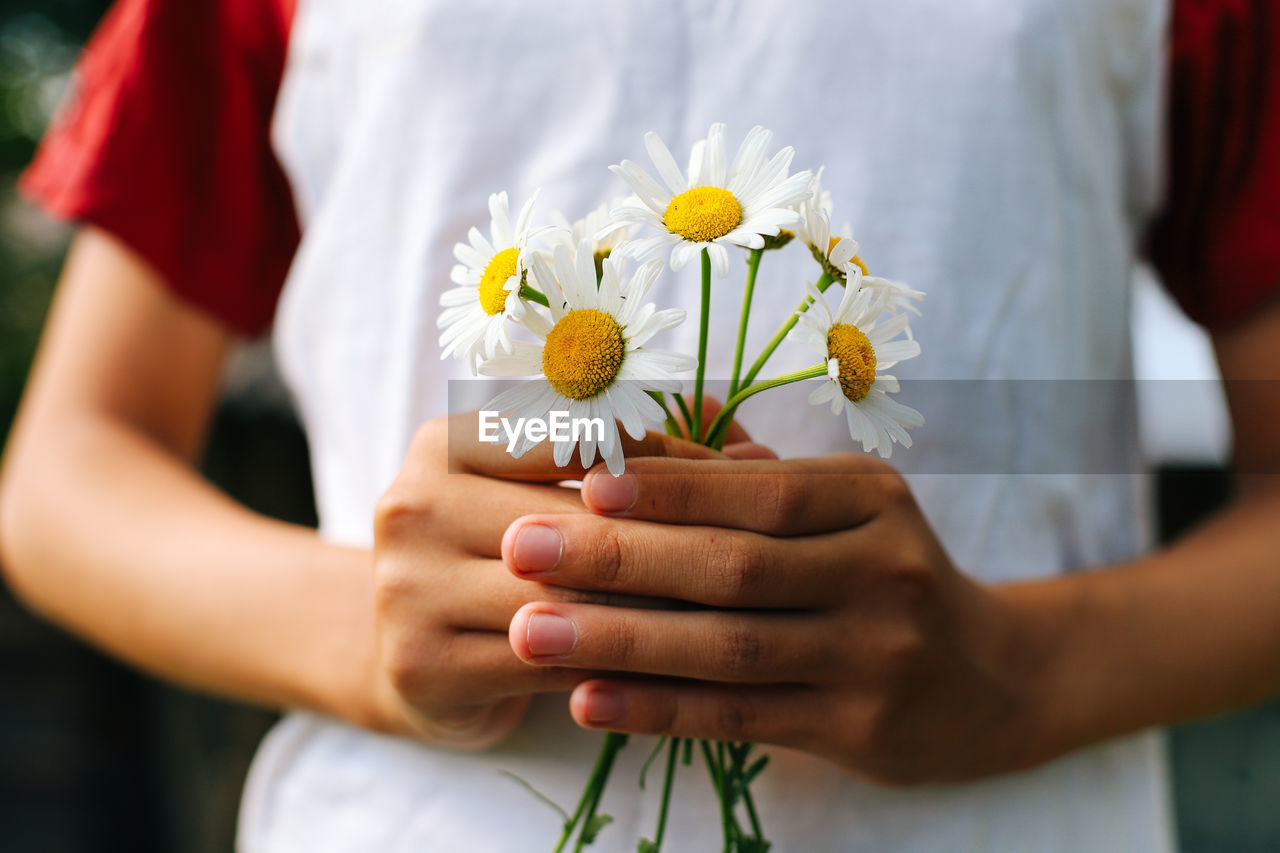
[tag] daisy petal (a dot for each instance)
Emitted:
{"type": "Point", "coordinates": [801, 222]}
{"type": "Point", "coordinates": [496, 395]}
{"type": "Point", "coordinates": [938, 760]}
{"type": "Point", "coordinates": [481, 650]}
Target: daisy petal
{"type": "Point", "coordinates": [664, 163]}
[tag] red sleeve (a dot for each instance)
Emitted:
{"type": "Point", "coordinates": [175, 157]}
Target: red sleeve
{"type": "Point", "coordinates": [1217, 242]}
{"type": "Point", "coordinates": [164, 142]}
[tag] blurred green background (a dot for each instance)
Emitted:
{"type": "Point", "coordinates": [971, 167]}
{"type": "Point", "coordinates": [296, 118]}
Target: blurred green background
{"type": "Point", "coordinates": [94, 757]}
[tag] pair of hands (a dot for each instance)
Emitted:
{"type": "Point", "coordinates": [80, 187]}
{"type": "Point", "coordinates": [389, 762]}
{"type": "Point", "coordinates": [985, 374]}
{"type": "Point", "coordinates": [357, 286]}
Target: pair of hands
{"type": "Point", "coordinates": [804, 603]}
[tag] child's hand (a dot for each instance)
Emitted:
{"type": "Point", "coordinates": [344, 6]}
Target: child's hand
{"type": "Point", "coordinates": [444, 599]}
{"type": "Point", "coordinates": [834, 620]}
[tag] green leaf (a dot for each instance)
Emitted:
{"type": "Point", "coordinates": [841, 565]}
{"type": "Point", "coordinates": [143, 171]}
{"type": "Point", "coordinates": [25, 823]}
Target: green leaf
{"type": "Point", "coordinates": [593, 827]}
{"type": "Point", "coordinates": [645, 768]}
{"type": "Point", "coordinates": [646, 846]}
{"type": "Point", "coordinates": [754, 770]}
{"type": "Point", "coordinates": [541, 796]}
{"type": "Point", "coordinates": [688, 752]}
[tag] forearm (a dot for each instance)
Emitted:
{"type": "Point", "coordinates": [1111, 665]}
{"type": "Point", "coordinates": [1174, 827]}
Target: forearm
{"type": "Point", "coordinates": [1187, 632]}
{"type": "Point", "coordinates": [121, 542]}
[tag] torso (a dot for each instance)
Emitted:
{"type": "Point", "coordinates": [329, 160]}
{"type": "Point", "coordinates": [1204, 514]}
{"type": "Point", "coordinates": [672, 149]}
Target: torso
{"type": "Point", "coordinates": [998, 154]}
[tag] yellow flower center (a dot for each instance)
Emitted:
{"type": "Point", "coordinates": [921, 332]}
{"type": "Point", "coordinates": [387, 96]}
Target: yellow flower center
{"type": "Point", "coordinates": [493, 292]}
{"type": "Point", "coordinates": [600, 255]}
{"type": "Point", "coordinates": [856, 357]}
{"type": "Point", "coordinates": [782, 238]}
{"type": "Point", "coordinates": [583, 353]}
{"type": "Point", "coordinates": [826, 262]}
{"type": "Point", "coordinates": [703, 214]}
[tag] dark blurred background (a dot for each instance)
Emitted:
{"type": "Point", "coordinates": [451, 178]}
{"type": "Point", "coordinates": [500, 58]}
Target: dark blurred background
{"type": "Point", "coordinates": [95, 757]}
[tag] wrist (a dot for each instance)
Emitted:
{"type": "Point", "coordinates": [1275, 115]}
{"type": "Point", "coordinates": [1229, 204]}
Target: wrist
{"type": "Point", "coordinates": [335, 669]}
{"type": "Point", "coordinates": [1043, 619]}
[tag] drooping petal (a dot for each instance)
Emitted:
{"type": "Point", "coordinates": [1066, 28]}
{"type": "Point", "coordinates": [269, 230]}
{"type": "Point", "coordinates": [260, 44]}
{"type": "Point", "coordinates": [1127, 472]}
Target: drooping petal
{"type": "Point", "coordinates": [625, 410]}
{"type": "Point", "coordinates": [750, 157]}
{"type": "Point", "coordinates": [657, 323]}
{"type": "Point", "coordinates": [719, 260]}
{"type": "Point", "coordinates": [500, 225]}
{"type": "Point", "coordinates": [895, 351]}
{"type": "Point", "coordinates": [664, 163]}
{"type": "Point", "coordinates": [648, 191]}
{"type": "Point", "coordinates": [526, 212]}
{"type": "Point", "coordinates": [525, 359]}
{"type": "Point", "coordinates": [715, 169]}
{"type": "Point", "coordinates": [683, 254]}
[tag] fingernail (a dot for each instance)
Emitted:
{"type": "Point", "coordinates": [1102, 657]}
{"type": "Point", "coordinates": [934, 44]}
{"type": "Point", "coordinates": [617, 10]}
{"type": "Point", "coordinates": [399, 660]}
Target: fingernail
{"type": "Point", "coordinates": [613, 494]}
{"type": "Point", "coordinates": [605, 706]}
{"type": "Point", "coordinates": [551, 635]}
{"type": "Point", "coordinates": [537, 548]}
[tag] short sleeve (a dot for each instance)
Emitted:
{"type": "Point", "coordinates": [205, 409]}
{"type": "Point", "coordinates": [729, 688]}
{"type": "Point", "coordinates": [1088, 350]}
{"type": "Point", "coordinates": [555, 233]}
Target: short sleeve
{"type": "Point", "coordinates": [164, 141]}
{"type": "Point", "coordinates": [1217, 241]}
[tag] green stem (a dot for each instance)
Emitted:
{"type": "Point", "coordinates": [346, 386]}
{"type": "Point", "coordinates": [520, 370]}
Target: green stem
{"type": "Point", "coordinates": [751, 813]}
{"type": "Point", "coordinates": [613, 744]}
{"type": "Point", "coordinates": [673, 428]}
{"type": "Point", "coordinates": [716, 769]}
{"type": "Point", "coordinates": [620, 741]}
{"type": "Point", "coordinates": [672, 752]}
{"type": "Point", "coordinates": [753, 266]}
{"type": "Point", "coordinates": [685, 413]}
{"type": "Point", "coordinates": [725, 416]}
{"type": "Point", "coordinates": [823, 283]}
{"type": "Point", "coordinates": [527, 292]}
{"type": "Point", "coordinates": [703, 327]}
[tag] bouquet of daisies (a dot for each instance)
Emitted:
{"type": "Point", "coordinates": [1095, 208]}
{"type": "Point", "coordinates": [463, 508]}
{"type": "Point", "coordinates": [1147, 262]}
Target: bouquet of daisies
{"type": "Point", "coordinates": [575, 320]}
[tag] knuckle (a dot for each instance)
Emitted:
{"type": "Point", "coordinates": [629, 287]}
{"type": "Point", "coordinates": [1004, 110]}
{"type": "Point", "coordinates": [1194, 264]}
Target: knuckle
{"type": "Point", "coordinates": [915, 584]}
{"type": "Point", "coordinates": [736, 716]}
{"type": "Point", "coordinates": [903, 652]}
{"type": "Point", "coordinates": [395, 514]}
{"type": "Point", "coordinates": [664, 715]}
{"type": "Point", "coordinates": [621, 643]}
{"type": "Point", "coordinates": [893, 486]}
{"type": "Point", "coordinates": [870, 729]}
{"type": "Point", "coordinates": [391, 586]}
{"type": "Point", "coordinates": [677, 494]}
{"type": "Point", "coordinates": [430, 438]}
{"type": "Point", "coordinates": [781, 504]}
{"type": "Point", "coordinates": [405, 669]}
{"type": "Point", "coordinates": [609, 554]}
{"type": "Point", "coordinates": [737, 651]}
{"type": "Point", "coordinates": [740, 568]}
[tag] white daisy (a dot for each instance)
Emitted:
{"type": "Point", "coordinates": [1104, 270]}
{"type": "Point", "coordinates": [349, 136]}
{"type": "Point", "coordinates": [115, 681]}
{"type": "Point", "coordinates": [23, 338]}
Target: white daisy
{"type": "Point", "coordinates": [591, 357]}
{"type": "Point", "coordinates": [899, 297]}
{"type": "Point", "coordinates": [714, 205]}
{"type": "Point", "coordinates": [819, 200]}
{"type": "Point", "coordinates": [596, 229]}
{"type": "Point", "coordinates": [488, 280]}
{"type": "Point", "coordinates": [857, 342]}
{"type": "Point", "coordinates": [838, 253]}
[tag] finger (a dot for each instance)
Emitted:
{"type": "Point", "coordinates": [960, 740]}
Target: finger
{"type": "Point", "coordinates": [484, 596]}
{"type": "Point", "coordinates": [748, 450]}
{"type": "Point", "coordinates": [486, 669]}
{"type": "Point", "coordinates": [707, 565]}
{"type": "Point", "coordinates": [784, 715]}
{"type": "Point", "coordinates": [475, 515]}
{"type": "Point", "coordinates": [468, 454]}
{"type": "Point", "coordinates": [781, 498]}
{"type": "Point", "coordinates": [708, 645]}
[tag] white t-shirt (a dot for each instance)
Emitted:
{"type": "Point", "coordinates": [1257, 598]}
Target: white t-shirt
{"type": "Point", "coordinates": [999, 154]}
